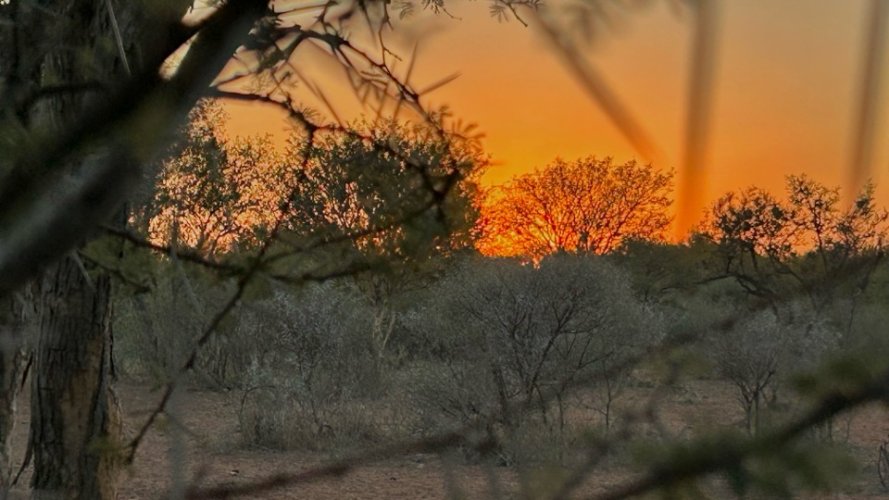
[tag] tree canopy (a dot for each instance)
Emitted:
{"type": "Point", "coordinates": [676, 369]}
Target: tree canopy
{"type": "Point", "coordinates": [587, 205]}
{"type": "Point", "coordinates": [807, 241]}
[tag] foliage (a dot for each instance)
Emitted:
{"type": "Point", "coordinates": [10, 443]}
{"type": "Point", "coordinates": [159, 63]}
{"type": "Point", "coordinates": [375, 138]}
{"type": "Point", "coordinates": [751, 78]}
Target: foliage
{"type": "Point", "coordinates": [660, 271]}
{"type": "Point", "coordinates": [374, 190]}
{"type": "Point", "coordinates": [588, 205]}
{"type": "Point", "coordinates": [504, 342]}
{"type": "Point", "coordinates": [216, 193]}
{"type": "Point", "coordinates": [509, 338]}
{"type": "Point", "coordinates": [762, 351]}
{"type": "Point", "coordinates": [307, 371]}
{"type": "Point", "coordinates": [806, 244]}
{"type": "Point", "coordinates": [156, 330]}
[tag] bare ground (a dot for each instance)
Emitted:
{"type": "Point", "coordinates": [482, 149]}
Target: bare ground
{"type": "Point", "coordinates": [204, 446]}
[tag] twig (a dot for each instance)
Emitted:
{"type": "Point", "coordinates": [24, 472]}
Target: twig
{"type": "Point", "coordinates": [697, 115]}
{"type": "Point", "coordinates": [208, 332]}
{"type": "Point", "coordinates": [864, 129]}
{"type": "Point", "coordinates": [118, 38]}
{"type": "Point", "coordinates": [187, 256]}
{"type": "Point", "coordinates": [336, 469]}
{"type": "Point", "coordinates": [600, 91]}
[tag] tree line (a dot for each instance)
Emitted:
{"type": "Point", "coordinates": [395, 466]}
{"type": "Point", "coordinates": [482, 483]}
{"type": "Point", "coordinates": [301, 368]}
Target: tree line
{"type": "Point", "coordinates": [493, 339]}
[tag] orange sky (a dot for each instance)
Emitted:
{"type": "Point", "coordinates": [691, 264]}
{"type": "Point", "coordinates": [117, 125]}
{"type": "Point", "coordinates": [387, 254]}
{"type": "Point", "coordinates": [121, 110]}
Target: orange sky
{"type": "Point", "coordinates": [785, 88]}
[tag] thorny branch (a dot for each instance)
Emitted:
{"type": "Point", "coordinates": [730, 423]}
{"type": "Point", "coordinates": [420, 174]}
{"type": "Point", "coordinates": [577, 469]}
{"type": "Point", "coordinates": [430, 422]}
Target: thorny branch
{"type": "Point", "coordinates": [202, 340]}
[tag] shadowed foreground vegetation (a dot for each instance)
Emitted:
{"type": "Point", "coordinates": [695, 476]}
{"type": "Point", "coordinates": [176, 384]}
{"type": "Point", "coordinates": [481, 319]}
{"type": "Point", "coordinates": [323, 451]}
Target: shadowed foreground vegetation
{"type": "Point", "coordinates": [580, 355]}
{"type": "Point", "coordinates": [573, 369]}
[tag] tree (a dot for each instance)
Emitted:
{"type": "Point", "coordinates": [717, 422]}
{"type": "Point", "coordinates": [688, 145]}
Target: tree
{"type": "Point", "coordinates": [362, 186]}
{"type": "Point", "coordinates": [588, 205]}
{"type": "Point", "coordinates": [306, 365]}
{"type": "Point", "coordinates": [660, 269]}
{"type": "Point", "coordinates": [751, 229]}
{"type": "Point", "coordinates": [86, 108]}
{"type": "Point", "coordinates": [217, 192]}
{"type": "Point", "coordinates": [53, 60]}
{"type": "Point", "coordinates": [364, 183]}
{"type": "Point", "coordinates": [806, 244]}
{"type": "Point", "coordinates": [514, 336]}
{"type": "Point", "coordinates": [17, 317]}
{"type": "Point", "coordinates": [805, 247]}
{"type": "Point", "coordinates": [70, 159]}
{"type": "Point", "coordinates": [763, 349]}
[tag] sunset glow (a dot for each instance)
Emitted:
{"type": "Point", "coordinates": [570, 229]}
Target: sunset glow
{"type": "Point", "coordinates": [785, 90]}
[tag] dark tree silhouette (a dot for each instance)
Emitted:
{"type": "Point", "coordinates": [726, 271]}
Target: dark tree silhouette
{"type": "Point", "coordinates": [807, 242]}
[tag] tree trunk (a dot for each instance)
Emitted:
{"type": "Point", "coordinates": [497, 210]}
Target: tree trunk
{"type": "Point", "coordinates": [75, 428]}
{"type": "Point", "coordinates": [13, 319]}
{"type": "Point", "coordinates": [74, 422]}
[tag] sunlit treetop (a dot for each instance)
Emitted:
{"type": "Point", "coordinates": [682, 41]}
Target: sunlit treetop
{"type": "Point", "coordinates": [375, 186]}
{"type": "Point", "coordinates": [587, 205]}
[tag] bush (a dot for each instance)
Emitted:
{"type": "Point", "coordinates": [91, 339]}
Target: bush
{"type": "Point", "coordinates": [507, 337]}
{"type": "Point", "coordinates": [155, 332]}
{"type": "Point", "coordinates": [763, 350]}
{"type": "Point", "coordinates": [310, 368]}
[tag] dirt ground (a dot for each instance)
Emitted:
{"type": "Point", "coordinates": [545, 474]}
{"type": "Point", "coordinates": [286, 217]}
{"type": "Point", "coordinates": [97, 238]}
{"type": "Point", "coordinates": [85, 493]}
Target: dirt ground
{"type": "Point", "coordinates": [203, 446]}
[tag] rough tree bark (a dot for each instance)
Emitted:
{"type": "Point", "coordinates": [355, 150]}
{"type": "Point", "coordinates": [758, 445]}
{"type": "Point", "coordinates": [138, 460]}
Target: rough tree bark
{"type": "Point", "coordinates": [17, 74]}
{"type": "Point", "coordinates": [75, 426]}
{"type": "Point", "coordinates": [14, 315]}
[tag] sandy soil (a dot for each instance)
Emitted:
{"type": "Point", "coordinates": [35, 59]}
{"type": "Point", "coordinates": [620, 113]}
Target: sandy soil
{"type": "Point", "coordinates": [203, 446]}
